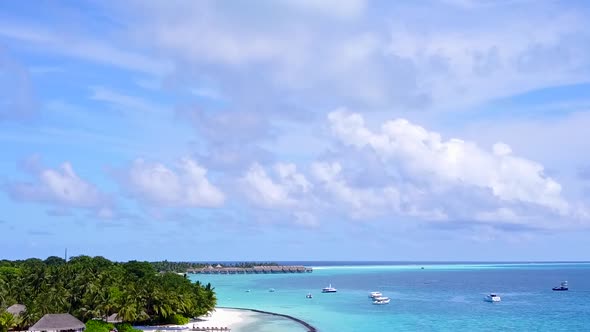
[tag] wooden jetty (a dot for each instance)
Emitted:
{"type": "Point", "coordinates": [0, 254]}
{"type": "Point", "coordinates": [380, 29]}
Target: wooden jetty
{"type": "Point", "coordinates": [251, 270]}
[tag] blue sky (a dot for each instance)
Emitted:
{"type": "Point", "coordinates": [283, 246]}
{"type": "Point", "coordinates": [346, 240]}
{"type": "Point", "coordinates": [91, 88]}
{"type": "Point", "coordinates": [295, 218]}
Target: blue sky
{"type": "Point", "coordinates": [295, 130]}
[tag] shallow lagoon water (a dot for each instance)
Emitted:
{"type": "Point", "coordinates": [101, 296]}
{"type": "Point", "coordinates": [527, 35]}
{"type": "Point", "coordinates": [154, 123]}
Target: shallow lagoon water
{"type": "Point", "coordinates": [440, 297]}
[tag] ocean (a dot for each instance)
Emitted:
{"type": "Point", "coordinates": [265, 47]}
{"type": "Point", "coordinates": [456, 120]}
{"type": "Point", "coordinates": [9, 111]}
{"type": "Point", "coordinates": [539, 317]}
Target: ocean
{"type": "Point", "coordinates": [439, 297]}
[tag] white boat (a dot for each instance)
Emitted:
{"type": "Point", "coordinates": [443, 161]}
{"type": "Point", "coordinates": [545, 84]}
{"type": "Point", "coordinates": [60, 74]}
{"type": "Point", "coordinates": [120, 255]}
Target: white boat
{"type": "Point", "coordinates": [562, 287]}
{"type": "Point", "coordinates": [329, 289]}
{"type": "Point", "coordinates": [308, 296]}
{"type": "Point", "coordinates": [271, 290]}
{"type": "Point", "coordinates": [493, 298]}
{"type": "Point", "coordinates": [381, 300]}
{"type": "Point", "coordinates": [375, 294]}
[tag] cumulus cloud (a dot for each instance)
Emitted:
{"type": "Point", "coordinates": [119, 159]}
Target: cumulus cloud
{"type": "Point", "coordinates": [283, 188]}
{"type": "Point", "coordinates": [280, 193]}
{"type": "Point", "coordinates": [62, 188]}
{"type": "Point", "coordinates": [421, 154]}
{"type": "Point", "coordinates": [183, 185]}
{"type": "Point", "coordinates": [410, 173]}
{"type": "Point", "coordinates": [360, 202]}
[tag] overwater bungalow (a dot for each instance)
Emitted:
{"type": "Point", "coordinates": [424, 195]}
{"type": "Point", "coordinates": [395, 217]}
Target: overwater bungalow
{"type": "Point", "coordinates": [256, 269]}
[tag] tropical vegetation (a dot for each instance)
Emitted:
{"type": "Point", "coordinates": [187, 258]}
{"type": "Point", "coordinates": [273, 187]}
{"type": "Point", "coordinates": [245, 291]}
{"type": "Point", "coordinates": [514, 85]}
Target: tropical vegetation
{"type": "Point", "coordinates": [94, 287]}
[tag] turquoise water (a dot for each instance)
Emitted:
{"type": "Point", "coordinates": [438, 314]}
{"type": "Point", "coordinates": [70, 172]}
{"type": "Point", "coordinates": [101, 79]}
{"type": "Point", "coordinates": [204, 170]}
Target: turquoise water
{"type": "Point", "coordinates": [440, 297]}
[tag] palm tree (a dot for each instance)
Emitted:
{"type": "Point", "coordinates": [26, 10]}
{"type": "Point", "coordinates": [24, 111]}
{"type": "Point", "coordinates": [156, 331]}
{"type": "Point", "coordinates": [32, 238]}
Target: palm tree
{"type": "Point", "coordinates": [3, 292]}
{"type": "Point", "coordinates": [7, 321]}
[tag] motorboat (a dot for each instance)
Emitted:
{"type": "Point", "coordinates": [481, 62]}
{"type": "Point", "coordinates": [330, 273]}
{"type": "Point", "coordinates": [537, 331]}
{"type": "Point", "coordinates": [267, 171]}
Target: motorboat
{"type": "Point", "coordinates": [272, 290]}
{"type": "Point", "coordinates": [329, 289]}
{"type": "Point", "coordinates": [308, 296]}
{"type": "Point", "coordinates": [493, 297]}
{"type": "Point", "coordinates": [562, 287]}
{"type": "Point", "coordinates": [381, 300]}
{"type": "Point", "coordinates": [247, 291]}
{"type": "Point", "coordinates": [375, 294]}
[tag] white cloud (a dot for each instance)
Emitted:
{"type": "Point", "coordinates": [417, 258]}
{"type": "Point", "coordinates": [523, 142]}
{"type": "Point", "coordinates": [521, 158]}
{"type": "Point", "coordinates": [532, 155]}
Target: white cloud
{"type": "Point", "coordinates": [61, 187]}
{"type": "Point", "coordinates": [404, 61]}
{"type": "Point", "coordinates": [122, 101]}
{"type": "Point", "coordinates": [70, 44]}
{"type": "Point", "coordinates": [422, 155]}
{"type": "Point", "coordinates": [360, 202]}
{"type": "Point", "coordinates": [184, 185]}
{"type": "Point", "coordinates": [410, 173]}
{"type": "Point", "coordinates": [284, 189]}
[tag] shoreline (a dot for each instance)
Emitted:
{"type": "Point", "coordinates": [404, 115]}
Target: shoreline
{"type": "Point", "coordinates": [309, 327]}
{"type": "Point", "coordinates": [226, 317]}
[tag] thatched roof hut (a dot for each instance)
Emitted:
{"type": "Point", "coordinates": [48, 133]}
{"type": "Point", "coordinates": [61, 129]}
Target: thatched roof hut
{"type": "Point", "coordinates": [16, 309]}
{"type": "Point", "coordinates": [58, 323]}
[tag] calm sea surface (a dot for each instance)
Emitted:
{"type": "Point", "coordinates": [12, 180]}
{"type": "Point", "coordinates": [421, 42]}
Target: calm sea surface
{"type": "Point", "coordinates": [440, 297]}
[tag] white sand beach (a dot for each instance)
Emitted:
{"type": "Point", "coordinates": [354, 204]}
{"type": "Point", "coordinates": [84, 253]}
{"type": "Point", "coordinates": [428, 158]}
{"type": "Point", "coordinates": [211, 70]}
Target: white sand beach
{"type": "Point", "coordinates": [220, 318]}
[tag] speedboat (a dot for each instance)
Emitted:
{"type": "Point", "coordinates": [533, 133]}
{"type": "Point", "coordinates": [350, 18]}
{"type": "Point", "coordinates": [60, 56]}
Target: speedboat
{"type": "Point", "coordinates": [308, 296]}
{"type": "Point", "coordinates": [247, 291]}
{"type": "Point", "coordinates": [373, 295]}
{"type": "Point", "coordinates": [329, 289]}
{"type": "Point", "coordinates": [381, 300]}
{"type": "Point", "coordinates": [493, 298]}
{"type": "Point", "coordinates": [271, 290]}
{"type": "Point", "coordinates": [562, 287]}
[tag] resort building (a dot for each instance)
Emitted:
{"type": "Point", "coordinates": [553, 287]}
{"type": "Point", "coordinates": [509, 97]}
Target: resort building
{"type": "Point", "coordinates": [16, 309]}
{"type": "Point", "coordinates": [58, 323]}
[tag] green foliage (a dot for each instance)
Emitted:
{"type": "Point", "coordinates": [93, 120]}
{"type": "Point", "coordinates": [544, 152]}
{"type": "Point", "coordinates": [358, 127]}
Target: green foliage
{"type": "Point", "coordinates": [94, 325]}
{"type": "Point", "coordinates": [125, 327]}
{"type": "Point", "coordinates": [140, 269]}
{"type": "Point", "coordinates": [54, 260]}
{"type": "Point", "coordinates": [94, 287]}
{"type": "Point", "coordinates": [178, 320]}
{"type": "Point", "coordinates": [7, 321]}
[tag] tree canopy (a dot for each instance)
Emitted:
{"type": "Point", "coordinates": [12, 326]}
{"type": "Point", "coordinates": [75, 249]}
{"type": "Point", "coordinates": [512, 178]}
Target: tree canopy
{"type": "Point", "coordinates": [94, 287]}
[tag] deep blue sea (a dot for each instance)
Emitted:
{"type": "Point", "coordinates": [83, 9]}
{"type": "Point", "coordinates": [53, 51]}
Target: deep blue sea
{"type": "Point", "coordinates": [440, 297]}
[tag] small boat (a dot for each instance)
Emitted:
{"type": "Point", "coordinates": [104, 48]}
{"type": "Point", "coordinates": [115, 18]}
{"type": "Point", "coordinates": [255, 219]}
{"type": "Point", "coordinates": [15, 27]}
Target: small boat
{"type": "Point", "coordinates": [308, 296]}
{"type": "Point", "coordinates": [247, 291]}
{"type": "Point", "coordinates": [329, 289]}
{"type": "Point", "coordinates": [272, 290]}
{"type": "Point", "coordinates": [493, 298]}
{"type": "Point", "coordinates": [373, 295]}
{"type": "Point", "coordinates": [562, 287]}
{"type": "Point", "coordinates": [381, 300]}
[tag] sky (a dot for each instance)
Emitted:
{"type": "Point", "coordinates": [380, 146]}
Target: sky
{"type": "Point", "coordinates": [451, 130]}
